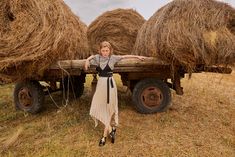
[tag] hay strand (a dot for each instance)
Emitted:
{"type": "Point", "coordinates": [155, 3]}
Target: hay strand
{"type": "Point", "coordinates": [12, 140]}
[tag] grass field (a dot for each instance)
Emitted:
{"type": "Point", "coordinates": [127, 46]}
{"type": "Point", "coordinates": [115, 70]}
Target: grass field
{"type": "Point", "coordinates": [199, 123]}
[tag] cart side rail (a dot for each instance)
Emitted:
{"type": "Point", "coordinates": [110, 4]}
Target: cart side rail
{"type": "Point", "coordinates": [125, 65]}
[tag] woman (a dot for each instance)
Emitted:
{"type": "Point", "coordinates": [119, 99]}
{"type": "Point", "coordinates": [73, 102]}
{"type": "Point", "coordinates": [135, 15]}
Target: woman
{"type": "Point", "coordinates": [104, 106]}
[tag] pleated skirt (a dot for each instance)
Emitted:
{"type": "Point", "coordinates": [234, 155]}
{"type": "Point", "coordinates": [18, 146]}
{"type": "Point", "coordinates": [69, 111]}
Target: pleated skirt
{"type": "Point", "coordinates": [106, 113]}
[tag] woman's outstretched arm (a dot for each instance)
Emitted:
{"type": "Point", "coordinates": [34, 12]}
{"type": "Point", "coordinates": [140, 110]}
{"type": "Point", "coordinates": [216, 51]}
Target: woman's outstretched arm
{"type": "Point", "coordinates": [133, 56]}
{"type": "Point", "coordinates": [87, 63]}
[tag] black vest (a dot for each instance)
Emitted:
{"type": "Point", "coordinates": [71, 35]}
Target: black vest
{"type": "Point", "coordinates": [106, 72]}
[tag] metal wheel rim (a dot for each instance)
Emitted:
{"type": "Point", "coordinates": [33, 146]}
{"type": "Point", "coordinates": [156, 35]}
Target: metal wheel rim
{"type": "Point", "coordinates": [151, 97]}
{"type": "Point", "coordinates": [25, 98]}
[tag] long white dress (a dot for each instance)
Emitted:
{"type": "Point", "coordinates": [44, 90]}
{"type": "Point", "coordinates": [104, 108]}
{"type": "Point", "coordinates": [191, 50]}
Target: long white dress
{"type": "Point", "coordinates": [100, 110]}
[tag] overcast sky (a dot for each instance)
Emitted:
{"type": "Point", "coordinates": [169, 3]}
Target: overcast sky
{"type": "Point", "coordinates": [88, 10]}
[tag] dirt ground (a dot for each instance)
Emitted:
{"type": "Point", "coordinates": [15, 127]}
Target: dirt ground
{"type": "Point", "coordinates": [199, 123]}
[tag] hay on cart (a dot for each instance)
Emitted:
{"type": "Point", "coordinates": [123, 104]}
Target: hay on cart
{"type": "Point", "coordinates": [119, 27]}
{"type": "Point", "coordinates": [190, 32]}
{"type": "Point", "coordinates": [36, 33]}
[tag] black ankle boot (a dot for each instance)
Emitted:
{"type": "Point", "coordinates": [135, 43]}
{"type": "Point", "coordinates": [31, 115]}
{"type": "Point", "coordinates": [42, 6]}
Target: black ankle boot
{"type": "Point", "coordinates": [112, 135]}
{"type": "Point", "coordinates": [102, 141]}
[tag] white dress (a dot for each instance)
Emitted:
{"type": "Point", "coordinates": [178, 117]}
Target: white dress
{"type": "Point", "coordinates": [101, 110]}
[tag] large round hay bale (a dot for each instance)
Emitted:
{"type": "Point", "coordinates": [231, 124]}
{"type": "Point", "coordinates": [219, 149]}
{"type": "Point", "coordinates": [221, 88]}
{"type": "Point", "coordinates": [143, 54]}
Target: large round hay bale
{"type": "Point", "coordinates": [36, 33]}
{"type": "Point", "coordinates": [119, 27]}
{"type": "Point", "coordinates": [189, 32]}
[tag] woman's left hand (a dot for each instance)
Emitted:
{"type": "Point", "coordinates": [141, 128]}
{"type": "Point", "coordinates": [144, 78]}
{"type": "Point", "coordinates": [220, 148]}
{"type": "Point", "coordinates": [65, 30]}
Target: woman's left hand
{"type": "Point", "coordinates": [87, 64]}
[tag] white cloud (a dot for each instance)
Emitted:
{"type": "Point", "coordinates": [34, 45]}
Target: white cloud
{"type": "Point", "coordinates": [88, 10]}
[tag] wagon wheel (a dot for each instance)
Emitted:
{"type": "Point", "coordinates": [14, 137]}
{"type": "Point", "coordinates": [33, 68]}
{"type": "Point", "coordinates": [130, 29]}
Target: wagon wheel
{"type": "Point", "coordinates": [151, 95]}
{"type": "Point", "coordinates": [29, 96]}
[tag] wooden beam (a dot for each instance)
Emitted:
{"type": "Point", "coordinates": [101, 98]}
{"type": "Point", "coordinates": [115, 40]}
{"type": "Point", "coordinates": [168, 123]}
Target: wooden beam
{"type": "Point", "coordinates": [214, 69]}
{"type": "Point", "coordinates": [177, 84]}
{"type": "Point", "coordinates": [79, 64]}
{"type": "Point", "coordinates": [150, 64]}
{"type": "Point", "coordinates": [143, 75]}
{"type": "Point", "coordinates": [222, 70]}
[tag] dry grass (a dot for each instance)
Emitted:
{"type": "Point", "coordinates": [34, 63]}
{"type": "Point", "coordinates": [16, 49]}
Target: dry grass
{"type": "Point", "coordinates": [200, 123]}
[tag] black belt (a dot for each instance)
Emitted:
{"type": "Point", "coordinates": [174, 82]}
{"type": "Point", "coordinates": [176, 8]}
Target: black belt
{"type": "Point", "coordinates": [110, 74]}
{"type": "Point", "coordinates": [108, 92]}
{"type": "Point", "coordinates": [109, 80]}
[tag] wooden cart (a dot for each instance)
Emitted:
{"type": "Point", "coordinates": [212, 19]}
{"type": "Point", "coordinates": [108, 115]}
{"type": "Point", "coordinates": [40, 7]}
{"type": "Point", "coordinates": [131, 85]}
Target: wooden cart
{"type": "Point", "coordinates": [149, 80]}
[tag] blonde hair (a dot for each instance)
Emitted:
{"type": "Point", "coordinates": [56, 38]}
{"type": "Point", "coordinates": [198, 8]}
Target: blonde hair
{"type": "Point", "coordinates": [106, 44]}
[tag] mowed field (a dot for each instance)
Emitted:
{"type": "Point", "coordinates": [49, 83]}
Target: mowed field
{"type": "Point", "coordinates": [199, 123]}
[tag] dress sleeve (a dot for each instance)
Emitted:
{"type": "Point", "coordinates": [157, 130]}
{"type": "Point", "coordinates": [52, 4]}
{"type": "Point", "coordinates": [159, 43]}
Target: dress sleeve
{"type": "Point", "coordinates": [95, 60]}
{"type": "Point", "coordinates": [116, 58]}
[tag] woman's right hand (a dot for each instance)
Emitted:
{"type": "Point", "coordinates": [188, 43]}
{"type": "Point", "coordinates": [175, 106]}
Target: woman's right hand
{"type": "Point", "coordinates": [87, 64]}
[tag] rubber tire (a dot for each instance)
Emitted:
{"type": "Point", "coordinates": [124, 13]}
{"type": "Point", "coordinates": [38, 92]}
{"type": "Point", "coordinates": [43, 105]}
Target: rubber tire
{"type": "Point", "coordinates": [37, 93]}
{"type": "Point", "coordinates": [141, 85]}
{"type": "Point", "coordinates": [76, 85]}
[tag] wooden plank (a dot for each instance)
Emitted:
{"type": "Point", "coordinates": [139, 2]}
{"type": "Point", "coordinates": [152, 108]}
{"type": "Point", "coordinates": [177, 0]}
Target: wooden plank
{"type": "Point", "coordinates": [79, 64]}
{"type": "Point", "coordinates": [177, 83]}
{"type": "Point", "coordinates": [213, 69]}
{"type": "Point", "coordinates": [150, 64]}
{"type": "Point", "coordinates": [56, 74]}
{"type": "Point", "coordinates": [222, 70]}
{"type": "Point", "coordinates": [143, 75]}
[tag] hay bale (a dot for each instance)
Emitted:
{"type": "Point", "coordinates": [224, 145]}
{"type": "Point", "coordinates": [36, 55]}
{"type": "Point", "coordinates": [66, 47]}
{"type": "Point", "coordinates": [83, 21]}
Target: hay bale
{"type": "Point", "coordinates": [36, 33]}
{"type": "Point", "coordinates": [119, 27]}
{"type": "Point", "coordinates": [189, 32]}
